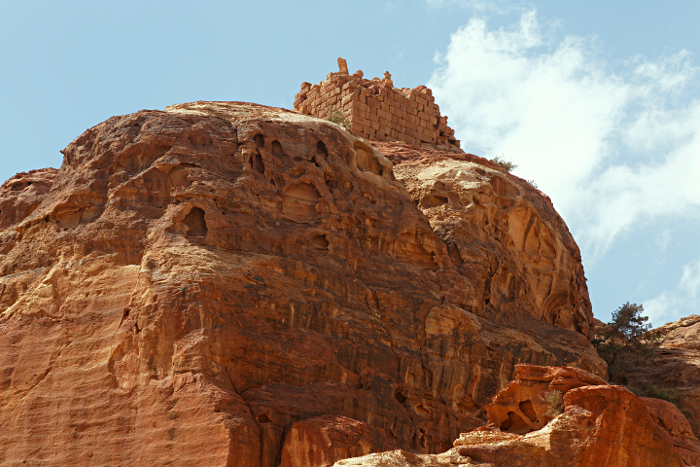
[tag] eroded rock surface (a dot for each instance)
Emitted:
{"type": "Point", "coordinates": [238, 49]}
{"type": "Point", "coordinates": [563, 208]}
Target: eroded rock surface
{"type": "Point", "coordinates": [226, 274]}
{"type": "Point", "coordinates": [600, 425]}
{"type": "Point", "coordinates": [523, 405]}
{"type": "Point", "coordinates": [19, 197]}
{"type": "Point", "coordinates": [501, 232]}
{"type": "Point", "coordinates": [673, 368]}
{"type": "Point", "coordinates": [323, 440]}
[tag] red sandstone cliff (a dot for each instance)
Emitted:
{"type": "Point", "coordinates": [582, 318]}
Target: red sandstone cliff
{"type": "Point", "coordinates": [226, 284]}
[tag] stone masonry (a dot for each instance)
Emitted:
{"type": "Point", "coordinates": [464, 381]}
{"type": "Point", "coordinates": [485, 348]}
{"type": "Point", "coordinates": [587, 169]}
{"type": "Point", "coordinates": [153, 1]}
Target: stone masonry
{"type": "Point", "coordinates": [376, 110]}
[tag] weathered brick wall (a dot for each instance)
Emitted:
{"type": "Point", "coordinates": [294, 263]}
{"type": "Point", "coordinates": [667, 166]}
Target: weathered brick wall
{"type": "Point", "coordinates": [376, 110]}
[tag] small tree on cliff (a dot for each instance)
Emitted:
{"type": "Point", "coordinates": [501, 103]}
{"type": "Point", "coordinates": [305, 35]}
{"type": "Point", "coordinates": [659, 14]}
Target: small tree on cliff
{"type": "Point", "coordinates": [627, 346]}
{"type": "Point", "coordinates": [623, 340]}
{"type": "Point", "coordinates": [503, 162]}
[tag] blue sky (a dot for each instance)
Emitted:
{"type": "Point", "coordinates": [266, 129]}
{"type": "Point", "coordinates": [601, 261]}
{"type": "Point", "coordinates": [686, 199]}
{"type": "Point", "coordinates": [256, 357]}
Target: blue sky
{"type": "Point", "coordinates": [597, 102]}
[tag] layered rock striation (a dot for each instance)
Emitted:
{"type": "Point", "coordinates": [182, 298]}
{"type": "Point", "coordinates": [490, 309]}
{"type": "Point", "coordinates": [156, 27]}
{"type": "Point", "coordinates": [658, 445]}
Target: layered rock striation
{"type": "Point", "coordinates": [230, 284]}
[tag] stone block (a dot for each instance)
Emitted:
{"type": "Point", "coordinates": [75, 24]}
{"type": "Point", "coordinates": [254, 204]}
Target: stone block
{"type": "Point", "coordinates": [356, 126]}
{"type": "Point", "coordinates": [343, 65]}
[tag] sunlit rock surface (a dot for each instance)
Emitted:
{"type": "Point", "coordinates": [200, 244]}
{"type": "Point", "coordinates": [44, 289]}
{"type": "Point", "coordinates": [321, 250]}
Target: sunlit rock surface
{"type": "Point", "coordinates": [203, 285]}
{"type": "Point", "coordinates": [597, 425]}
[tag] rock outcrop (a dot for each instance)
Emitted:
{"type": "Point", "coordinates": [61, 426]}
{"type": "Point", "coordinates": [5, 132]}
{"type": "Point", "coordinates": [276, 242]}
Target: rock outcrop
{"type": "Point", "coordinates": [221, 284]}
{"type": "Point", "coordinates": [674, 367]}
{"type": "Point", "coordinates": [599, 425]}
{"type": "Point", "coordinates": [499, 231]}
{"type": "Point", "coordinates": [20, 196]}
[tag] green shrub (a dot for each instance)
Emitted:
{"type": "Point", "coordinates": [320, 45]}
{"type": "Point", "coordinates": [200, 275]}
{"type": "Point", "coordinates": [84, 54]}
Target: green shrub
{"type": "Point", "coordinates": [555, 399]}
{"type": "Point", "coordinates": [336, 116]}
{"type": "Point", "coordinates": [623, 343]}
{"type": "Point", "coordinates": [506, 164]}
{"type": "Point", "coordinates": [651, 390]}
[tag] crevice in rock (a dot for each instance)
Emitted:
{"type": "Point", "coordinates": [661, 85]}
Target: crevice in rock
{"type": "Point", "coordinates": [433, 201]}
{"type": "Point", "coordinates": [320, 242]}
{"type": "Point", "coordinates": [257, 163]}
{"type": "Point", "coordinates": [456, 257]}
{"type": "Point", "coordinates": [321, 149]}
{"type": "Point", "coordinates": [196, 223]}
{"type": "Point", "coordinates": [259, 140]}
{"type": "Point", "coordinates": [277, 150]}
{"type": "Point", "coordinates": [528, 410]}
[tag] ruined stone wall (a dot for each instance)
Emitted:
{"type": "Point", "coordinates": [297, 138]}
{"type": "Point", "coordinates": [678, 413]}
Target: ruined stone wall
{"type": "Point", "coordinates": [376, 110]}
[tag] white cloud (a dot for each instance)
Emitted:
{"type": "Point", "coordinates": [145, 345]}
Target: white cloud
{"type": "Point", "coordinates": [682, 301]}
{"type": "Point", "coordinates": [661, 309]}
{"type": "Point", "coordinates": [663, 240]}
{"type": "Point", "coordinates": [690, 280]}
{"type": "Point", "coordinates": [616, 146]}
{"type": "Point", "coordinates": [493, 6]}
{"type": "Point", "coordinates": [611, 149]}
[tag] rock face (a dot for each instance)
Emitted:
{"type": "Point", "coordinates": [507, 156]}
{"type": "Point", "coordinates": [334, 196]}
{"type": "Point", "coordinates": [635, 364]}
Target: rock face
{"type": "Point", "coordinates": [523, 406]}
{"type": "Point", "coordinates": [674, 367]}
{"type": "Point", "coordinates": [19, 197]}
{"type": "Point", "coordinates": [499, 231]}
{"type": "Point", "coordinates": [600, 425]}
{"type": "Point", "coordinates": [322, 441]}
{"type": "Point", "coordinates": [224, 284]}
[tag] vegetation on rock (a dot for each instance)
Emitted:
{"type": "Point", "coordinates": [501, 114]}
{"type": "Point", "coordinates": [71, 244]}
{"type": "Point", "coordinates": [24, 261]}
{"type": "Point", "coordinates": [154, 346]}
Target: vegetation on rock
{"type": "Point", "coordinates": [336, 116]}
{"type": "Point", "coordinates": [622, 343]}
{"type": "Point", "coordinates": [651, 390]}
{"type": "Point", "coordinates": [555, 399]}
{"type": "Point", "coordinates": [503, 162]}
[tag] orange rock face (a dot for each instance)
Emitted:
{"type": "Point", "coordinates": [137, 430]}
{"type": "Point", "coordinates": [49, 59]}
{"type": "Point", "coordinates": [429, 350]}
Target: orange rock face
{"type": "Point", "coordinates": [319, 442]}
{"type": "Point", "coordinates": [205, 285]}
{"type": "Point", "coordinates": [673, 422]}
{"type": "Point", "coordinates": [523, 406]}
{"type": "Point", "coordinates": [599, 425]}
{"type": "Point", "coordinates": [501, 232]}
{"type": "Point", "coordinates": [673, 368]}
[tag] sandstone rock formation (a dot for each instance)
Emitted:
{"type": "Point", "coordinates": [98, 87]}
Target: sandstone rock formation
{"type": "Point", "coordinates": [601, 425]}
{"type": "Point", "coordinates": [500, 231]}
{"type": "Point", "coordinates": [207, 285]}
{"type": "Point", "coordinates": [21, 194]}
{"type": "Point", "coordinates": [674, 367]}
{"type": "Point", "coordinates": [322, 441]}
{"type": "Point", "coordinates": [522, 406]}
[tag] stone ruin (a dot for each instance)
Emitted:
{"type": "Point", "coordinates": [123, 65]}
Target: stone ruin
{"type": "Point", "coordinates": [376, 110]}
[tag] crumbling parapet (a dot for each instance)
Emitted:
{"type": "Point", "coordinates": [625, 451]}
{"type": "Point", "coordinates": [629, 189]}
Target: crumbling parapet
{"type": "Point", "coordinates": [376, 110]}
